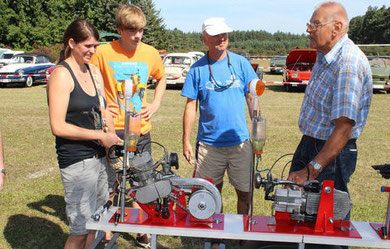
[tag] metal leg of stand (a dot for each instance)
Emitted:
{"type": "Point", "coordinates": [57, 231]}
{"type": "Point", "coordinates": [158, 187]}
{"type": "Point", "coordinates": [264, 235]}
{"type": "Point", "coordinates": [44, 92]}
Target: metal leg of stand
{"type": "Point", "coordinates": [153, 242]}
{"type": "Point", "coordinates": [99, 235]}
{"type": "Point", "coordinates": [301, 246]}
{"type": "Point", "coordinates": [111, 244]}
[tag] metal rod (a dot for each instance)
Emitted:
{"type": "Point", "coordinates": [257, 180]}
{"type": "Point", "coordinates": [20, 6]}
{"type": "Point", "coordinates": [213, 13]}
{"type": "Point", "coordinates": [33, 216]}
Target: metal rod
{"type": "Point", "coordinates": [251, 185]}
{"type": "Point", "coordinates": [387, 218]}
{"type": "Point", "coordinates": [128, 95]}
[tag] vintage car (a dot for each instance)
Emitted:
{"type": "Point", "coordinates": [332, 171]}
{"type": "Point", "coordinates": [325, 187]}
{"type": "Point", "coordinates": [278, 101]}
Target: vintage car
{"type": "Point", "coordinates": [380, 73]}
{"type": "Point", "coordinates": [244, 54]}
{"type": "Point", "coordinates": [277, 63]}
{"type": "Point", "coordinates": [299, 64]}
{"type": "Point", "coordinates": [6, 57]}
{"type": "Point", "coordinates": [26, 68]}
{"type": "Point", "coordinates": [2, 50]}
{"type": "Point", "coordinates": [177, 66]}
{"type": "Point", "coordinates": [197, 54]}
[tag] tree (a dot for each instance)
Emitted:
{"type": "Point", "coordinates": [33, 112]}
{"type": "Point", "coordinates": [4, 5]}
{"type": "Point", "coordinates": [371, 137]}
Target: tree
{"type": "Point", "coordinates": [373, 27]}
{"type": "Point", "coordinates": [155, 31]}
{"type": "Point", "coordinates": [43, 22]}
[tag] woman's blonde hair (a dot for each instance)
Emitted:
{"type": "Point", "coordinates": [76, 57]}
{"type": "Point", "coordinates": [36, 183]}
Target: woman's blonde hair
{"type": "Point", "coordinates": [130, 17]}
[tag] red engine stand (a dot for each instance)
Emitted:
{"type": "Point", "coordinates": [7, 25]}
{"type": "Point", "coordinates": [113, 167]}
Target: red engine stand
{"type": "Point", "coordinates": [324, 222]}
{"type": "Point", "coordinates": [178, 217]}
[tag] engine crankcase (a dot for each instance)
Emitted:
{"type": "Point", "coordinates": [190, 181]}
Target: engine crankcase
{"type": "Point", "coordinates": [303, 204]}
{"type": "Point", "coordinates": [153, 191]}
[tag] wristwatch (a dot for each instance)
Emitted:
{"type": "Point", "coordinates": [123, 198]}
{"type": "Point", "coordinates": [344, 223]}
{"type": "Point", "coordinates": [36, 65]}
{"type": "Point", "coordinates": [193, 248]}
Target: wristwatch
{"type": "Point", "coordinates": [2, 171]}
{"type": "Point", "coordinates": [317, 167]}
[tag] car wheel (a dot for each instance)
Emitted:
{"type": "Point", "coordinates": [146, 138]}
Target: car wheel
{"type": "Point", "coordinates": [29, 81]}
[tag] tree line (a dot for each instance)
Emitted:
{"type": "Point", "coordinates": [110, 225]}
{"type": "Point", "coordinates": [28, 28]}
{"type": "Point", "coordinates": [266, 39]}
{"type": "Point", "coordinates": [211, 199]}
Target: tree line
{"type": "Point", "coordinates": [38, 25]}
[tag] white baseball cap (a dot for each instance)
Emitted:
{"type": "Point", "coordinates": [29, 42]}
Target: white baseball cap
{"type": "Point", "coordinates": [215, 26]}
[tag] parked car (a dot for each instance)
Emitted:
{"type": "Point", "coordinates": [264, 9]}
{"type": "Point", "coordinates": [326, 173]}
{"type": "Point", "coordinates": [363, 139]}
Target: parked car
{"type": "Point", "coordinates": [197, 54]}
{"type": "Point", "coordinates": [6, 57]}
{"type": "Point", "coordinates": [48, 72]}
{"type": "Point", "coordinates": [27, 68]}
{"type": "Point", "coordinates": [2, 50]}
{"type": "Point", "coordinates": [177, 66]}
{"type": "Point", "coordinates": [299, 64]}
{"type": "Point", "coordinates": [380, 73]}
{"type": "Point", "coordinates": [277, 63]}
{"type": "Point", "coordinates": [244, 54]}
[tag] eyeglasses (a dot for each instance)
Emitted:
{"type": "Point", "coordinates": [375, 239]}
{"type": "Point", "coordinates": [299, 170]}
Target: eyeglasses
{"type": "Point", "coordinates": [315, 26]}
{"type": "Point", "coordinates": [231, 69]}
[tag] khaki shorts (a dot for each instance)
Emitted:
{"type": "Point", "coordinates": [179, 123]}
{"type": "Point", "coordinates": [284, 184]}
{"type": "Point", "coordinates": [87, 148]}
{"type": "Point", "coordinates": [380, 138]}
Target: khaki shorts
{"type": "Point", "coordinates": [236, 160]}
{"type": "Point", "coordinates": [86, 189]}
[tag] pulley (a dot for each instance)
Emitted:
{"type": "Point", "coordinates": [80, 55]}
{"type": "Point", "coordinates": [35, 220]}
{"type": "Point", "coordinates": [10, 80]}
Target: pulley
{"type": "Point", "coordinates": [202, 204]}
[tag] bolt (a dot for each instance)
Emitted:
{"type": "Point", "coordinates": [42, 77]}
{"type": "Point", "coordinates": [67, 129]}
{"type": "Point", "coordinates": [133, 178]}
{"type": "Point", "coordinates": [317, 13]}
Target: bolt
{"type": "Point", "coordinates": [217, 220]}
{"type": "Point", "coordinates": [330, 220]}
{"type": "Point", "coordinates": [202, 205]}
{"type": "Point", "coordinates": [328, 190]}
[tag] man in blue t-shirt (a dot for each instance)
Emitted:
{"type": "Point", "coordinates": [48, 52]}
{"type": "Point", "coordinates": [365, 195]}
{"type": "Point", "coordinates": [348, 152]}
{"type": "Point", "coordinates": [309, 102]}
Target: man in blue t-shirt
{"type": "Point", "coordinates": [219, 81]}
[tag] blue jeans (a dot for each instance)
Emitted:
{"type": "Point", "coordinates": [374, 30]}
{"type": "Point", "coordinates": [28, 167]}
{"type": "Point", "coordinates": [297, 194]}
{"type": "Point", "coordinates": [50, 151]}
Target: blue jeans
{"type": "Point", "coordinates": [339, 170]}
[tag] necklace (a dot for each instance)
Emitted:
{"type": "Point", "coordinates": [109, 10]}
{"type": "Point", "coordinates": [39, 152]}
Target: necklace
{"type": "Point", "coordinates": [84, 75]}
{"type": "Point", "coordinates": [231, 69]}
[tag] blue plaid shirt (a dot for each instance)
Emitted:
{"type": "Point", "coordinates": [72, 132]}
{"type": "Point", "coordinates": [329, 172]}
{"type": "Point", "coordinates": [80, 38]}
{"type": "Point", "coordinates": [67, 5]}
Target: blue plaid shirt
{"type": "Point", "coordinates": [340, 86]}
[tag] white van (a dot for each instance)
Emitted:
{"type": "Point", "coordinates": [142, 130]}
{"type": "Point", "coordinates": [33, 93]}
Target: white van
{"type": "Point", "coordinates": [5, 58]}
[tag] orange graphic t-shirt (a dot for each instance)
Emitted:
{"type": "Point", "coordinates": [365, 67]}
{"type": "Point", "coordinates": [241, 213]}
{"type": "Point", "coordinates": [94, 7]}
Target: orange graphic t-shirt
{"type": "Point", "coordinates": [144, 62]}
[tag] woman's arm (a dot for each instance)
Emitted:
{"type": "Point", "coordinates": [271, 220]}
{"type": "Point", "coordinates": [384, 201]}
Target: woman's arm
{"type": "Point", "coordinates": [59, 87]}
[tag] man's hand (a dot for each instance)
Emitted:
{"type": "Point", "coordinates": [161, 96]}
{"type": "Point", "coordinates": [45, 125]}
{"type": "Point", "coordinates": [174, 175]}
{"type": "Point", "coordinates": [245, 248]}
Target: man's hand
{"type": "Point", "coordinates": [188, 154]}
{"type": "Point", "coordinates": [148, 109]}
{"type": "Point", "coordinates": [299, 177]}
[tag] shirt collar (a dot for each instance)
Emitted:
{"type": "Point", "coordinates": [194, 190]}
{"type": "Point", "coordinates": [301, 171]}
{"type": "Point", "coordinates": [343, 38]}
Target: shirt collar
{"type": "Point", "coordinates": [332, 54]}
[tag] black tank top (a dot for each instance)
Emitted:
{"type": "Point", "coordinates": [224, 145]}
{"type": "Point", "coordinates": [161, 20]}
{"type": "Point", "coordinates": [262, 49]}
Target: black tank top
{"type": "Point", "coordinates": [83, 111]}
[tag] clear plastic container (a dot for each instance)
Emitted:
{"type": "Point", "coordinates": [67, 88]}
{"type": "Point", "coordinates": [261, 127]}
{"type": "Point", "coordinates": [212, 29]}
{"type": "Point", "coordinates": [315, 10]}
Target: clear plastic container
{"type": "Point", "coordinates": [259, 136]}
{"type": "Point", "coordinates": [134, 131]}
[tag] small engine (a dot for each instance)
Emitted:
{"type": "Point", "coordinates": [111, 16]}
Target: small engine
{"type": "Point", "coordinates": [157, 190]}
{"type": "Point", "coordinates": [302, 204]}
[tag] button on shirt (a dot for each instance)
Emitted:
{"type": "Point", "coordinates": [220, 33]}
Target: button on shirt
{"type": "Point", "coordinates": [340, 86]}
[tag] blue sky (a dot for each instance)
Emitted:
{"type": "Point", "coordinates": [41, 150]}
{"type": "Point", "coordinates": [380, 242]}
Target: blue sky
{"type": "Point", "coordinates": [269, 15]}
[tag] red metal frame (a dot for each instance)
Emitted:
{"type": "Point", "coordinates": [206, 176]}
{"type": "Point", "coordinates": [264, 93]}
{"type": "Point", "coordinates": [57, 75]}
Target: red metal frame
{"type": "Point", "coordinates": [179, 219]}
{"type": "Point", "coordinates": [324, 226]}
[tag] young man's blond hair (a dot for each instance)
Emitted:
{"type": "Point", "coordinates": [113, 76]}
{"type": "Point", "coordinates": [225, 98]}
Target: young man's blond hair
{"type": "Point", "coordinates": [130, 17]}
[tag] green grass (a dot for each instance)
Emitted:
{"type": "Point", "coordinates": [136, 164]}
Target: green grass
{"type": "Point", "coordinates": [32, 206]}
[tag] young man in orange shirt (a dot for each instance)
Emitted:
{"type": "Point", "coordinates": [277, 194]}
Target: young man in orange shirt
{"type": "Point", "coordinates": [138, 58]}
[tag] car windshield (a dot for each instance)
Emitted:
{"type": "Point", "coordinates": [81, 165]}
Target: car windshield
{"type": "Point", "coordinates": [177, 60]}
{"type": "Point", "coordinates": [378, 63]}
{"type": "Point", "coordinates": [22, 59]}
{"type": "Point", "coordinates": [6, 56]}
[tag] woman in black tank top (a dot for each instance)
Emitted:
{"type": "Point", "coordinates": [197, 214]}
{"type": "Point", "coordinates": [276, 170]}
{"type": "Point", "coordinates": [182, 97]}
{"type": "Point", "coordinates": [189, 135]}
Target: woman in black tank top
{"type": "Point", "coordinates": [76, 118]}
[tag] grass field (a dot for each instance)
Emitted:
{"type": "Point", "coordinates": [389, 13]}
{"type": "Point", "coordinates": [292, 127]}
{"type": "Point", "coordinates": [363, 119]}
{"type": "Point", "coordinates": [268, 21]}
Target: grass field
{"type": "Point", "coordinates": [32, 206]}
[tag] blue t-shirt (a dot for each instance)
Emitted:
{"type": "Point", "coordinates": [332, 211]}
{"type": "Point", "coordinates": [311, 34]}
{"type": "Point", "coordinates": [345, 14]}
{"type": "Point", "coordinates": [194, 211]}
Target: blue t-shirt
{"type": "Point", "coordinates": [222, 120]}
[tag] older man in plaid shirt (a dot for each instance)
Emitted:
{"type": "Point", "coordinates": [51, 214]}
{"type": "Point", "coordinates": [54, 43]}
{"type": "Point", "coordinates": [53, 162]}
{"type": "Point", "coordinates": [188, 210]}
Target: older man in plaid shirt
{"type": "Point", "coordinates": [336, 103]}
